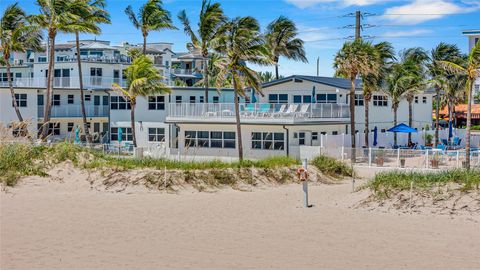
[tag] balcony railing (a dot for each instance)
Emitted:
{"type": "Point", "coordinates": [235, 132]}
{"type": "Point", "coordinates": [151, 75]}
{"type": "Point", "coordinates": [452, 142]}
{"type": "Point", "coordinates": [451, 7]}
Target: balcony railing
{"type": "Point", "coordinates": [259, 111]}
{"type": "Point", "coordinates": [98, 59]}
{"type": "Point", "coordinates": [89, 82]}
{"type": "Point", "coordinates": [179, 71]}
{"type": "Point", "coordinates": [70, 110]}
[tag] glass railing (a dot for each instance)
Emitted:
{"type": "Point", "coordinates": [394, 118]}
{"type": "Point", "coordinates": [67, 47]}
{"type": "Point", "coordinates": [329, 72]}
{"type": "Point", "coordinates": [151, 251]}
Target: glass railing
{"type": "Point", "coordinates": [70, 110]}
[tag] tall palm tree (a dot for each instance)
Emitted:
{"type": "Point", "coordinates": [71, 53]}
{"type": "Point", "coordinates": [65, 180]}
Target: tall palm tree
{"type": "Point", "coordinates": [55, 16]}
{"type": "Point", "coordinates": [16, 35]}
{"type": "Point", "coordinates": [282, 40]}
{"type": "Point", "coordinates": [89, 15]}
{"type": "Point", "coordinates": [210, 19]}
{"type": "Point", "coordinates": [471, 70]}
{"type": "Point", "coordinates": [396, 88]}
{"type": "Point", "coordinates": [266, 76]}
{"type": "Point", "coordinates": [413, 61]}
{"type": "Point", "coordinates": [372, 83]}
{"type": "Point", "coordinates": [443, 52]}
{"type": "Point", "coordinates": [151, 17]}
{"type": "Point", "coordinates": [143, 79]}
{"type": "Point", "coordinates": [239, 42]}
{"type": "Point", "coordinates": [454, 91]}
{"type": "Point", "coordinates": [357, 58]}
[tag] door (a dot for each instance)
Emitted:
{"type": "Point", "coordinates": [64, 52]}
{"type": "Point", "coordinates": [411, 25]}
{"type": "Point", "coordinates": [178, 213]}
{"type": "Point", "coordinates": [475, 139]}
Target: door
{"type": "Point", "coordinates": [301, 138]}
{"type": "Point", "coordinates": [96, 105]}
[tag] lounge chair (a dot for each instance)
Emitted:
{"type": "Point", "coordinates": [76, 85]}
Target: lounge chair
{"type": "Point", "coordinates": [264, 110]}
{"type": "Point", "coordinates": [292, 108]}
{"type": "Point", "coordinates": [303, 110]}
{"type": "Point", "coordinates": [249, 109]}
{"type": "Point", "coordinates": [280, 110]}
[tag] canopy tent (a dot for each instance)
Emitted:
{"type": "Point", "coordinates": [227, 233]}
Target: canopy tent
{"type": "Point", "coordinates": [402, 128]}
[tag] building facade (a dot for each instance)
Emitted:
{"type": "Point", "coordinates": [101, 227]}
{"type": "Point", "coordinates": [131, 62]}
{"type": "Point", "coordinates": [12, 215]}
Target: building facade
{"type": "Point", "coordinates": [473, 39]}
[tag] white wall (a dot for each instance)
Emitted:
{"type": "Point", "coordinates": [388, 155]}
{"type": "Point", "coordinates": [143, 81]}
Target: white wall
{"type": "Point", "coordinates": [29, 113]}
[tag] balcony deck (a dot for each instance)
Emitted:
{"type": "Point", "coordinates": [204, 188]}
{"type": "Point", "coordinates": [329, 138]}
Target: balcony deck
{"type": "Point", "coordinates": [258, 113]}
{"type": "Point", "coordinates": [89, 82]}
{"type": "Point", "coordinates": [69, 110]}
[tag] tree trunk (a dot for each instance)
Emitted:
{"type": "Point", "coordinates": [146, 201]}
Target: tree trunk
{"type": "Point", "coordinates": [437, 115]}
{"type": "Point", "coordinates": [82, 96]}
{"type": "Point", "coordinates": [237, 119]}
{"type": "Point", "coordinates": [276, 67]}
{"type": "Point", "coordinates": [394, 124]}
{"type": "Point", "coordinates": [12, 92]}
{"type": "Point", "coordinates": [205, 77]}
{"type": "Point", "coordinates": [352, 118]}
{"type": "Point", "coordinates": [469, 124]}
{"type": "Point", "coordinates": [367, 128]}
{"type": "Point", "coordinates": [145, 44]}
{"type": "Point", "coordinates": [132, 119]}
{"type": "Point", "coordinates": [450, 115]}
{"type": "Point", "coordinates": [410, 119]}
{"type": "Point", "coordinates": [49, 93]}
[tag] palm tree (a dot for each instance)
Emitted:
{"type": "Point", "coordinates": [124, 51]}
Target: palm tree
{"type": "Point", "coordinates": [471, 70]}
{"type": "Point", "coordinates": [266, 76]}
{"type": "Point", "coordinates": [282, 40]}
{"type": "Point", "coordinates": [211, 18]}
{"type": "Point", "coordinates": [443, 52]}
{"type": "Point", "coordinates": [143, 79]}
{"type": "Point", "coordinates": [354, 59]}
{"type": "Point", "coordinates": [239, 41]}
{"type": "Point", "coordinates": [413, 63]}
{"type": "Point", "coordinates": [372, 83]}
{"type": "Point", "coordinates": [90, 14]}
{"type": "Point", "coordinates": [453, 93]}
{"type": "Point", "coordinates": [16, 35]}
{"type": "Point", "coordinates": [151, 17]}
{"type": "Point", "coordinates": [396, 88]}
{"type": "Point", "coordinates": [55, 16]}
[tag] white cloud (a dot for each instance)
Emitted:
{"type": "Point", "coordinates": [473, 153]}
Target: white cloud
{"type": "Point", "coordinates": [420, 11]}
{"type": "Point", "coordinates": [408, 33]}
{"type": "Point", "coordinates": [344, 3]}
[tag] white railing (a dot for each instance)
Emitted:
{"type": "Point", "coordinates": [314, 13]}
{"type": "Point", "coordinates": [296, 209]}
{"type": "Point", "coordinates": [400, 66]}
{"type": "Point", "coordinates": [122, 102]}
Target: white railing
{"type": "Point", "coordinates": [100, 59]}
{"type": "Point", "coordinates": [89, 82]}
{"type": "Point", "coordinates": [258, 110]}
{"type": "Point", "coordinates": [185, 71]}
{"type": "Point", "coordinates": [75, 111]}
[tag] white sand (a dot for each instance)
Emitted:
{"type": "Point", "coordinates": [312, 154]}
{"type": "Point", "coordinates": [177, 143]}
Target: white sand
{"type": "Point", "coordinates": [51, 225]}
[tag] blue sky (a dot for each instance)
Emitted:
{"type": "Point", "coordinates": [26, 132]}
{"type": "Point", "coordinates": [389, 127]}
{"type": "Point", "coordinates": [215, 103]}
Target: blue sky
{"type": "Point", "coordinates": [404, 23]}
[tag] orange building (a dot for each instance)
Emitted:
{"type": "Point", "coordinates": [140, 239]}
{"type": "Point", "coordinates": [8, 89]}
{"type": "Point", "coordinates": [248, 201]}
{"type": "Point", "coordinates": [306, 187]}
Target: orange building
{"type": "Point", "coordinates": [460, 114]}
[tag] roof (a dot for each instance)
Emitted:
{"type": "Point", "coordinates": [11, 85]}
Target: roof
{"type": "Point", "coordinates": [461, 111]}
{"type": "Point", "coordinates": [188, 55]}
{"type": "Point", "coordinates": [64, 46]}
{"type": "Point", "coordinates": [471, 32]}
{"type": "Point", "coordinates": [96, 46]}
{"type": "Point", "coordinates": [330, 81]}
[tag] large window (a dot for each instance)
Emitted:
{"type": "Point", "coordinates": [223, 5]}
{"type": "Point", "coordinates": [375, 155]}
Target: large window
{"type": "Point", "coordinates": [215, 99]}
{"type": "Point", "coordinates": [70, 99]}
{"type": "Point", "coordinates": [302, 99]}
{"type": "Point", "coordinates": [326, 98]}
{"type": "Point", "coordinates": [53, 128]}
{"type": "Point", "coordinates": [56, 100]}
{"type": "Point", "coordinates": [380, 101]}
{"type": "Point", "coordinates": [156, 134]}
{"type": "Point", "coordinates": [96, 72]}
{"type": "Point", "coordinates": [278, 98]}
{"type": "Point", "coordinates": [156, 103]}
{"type": "Point", "coordinates": [193, 99]}
{"type": "Point", "coordinates": [268, 140]}
{"type": "Point", "coordinates": [359, 100]}
{"type": "Point", "coordinates": [178, 99]}
{"type": "Point", "coordinates": [21, 100]}
{"type": "Point", "coordinates": [119, 103]}
{"type": "Point", "coordinates": [126, 134]}
{"type": "Point", "coordinates": [212, 139]}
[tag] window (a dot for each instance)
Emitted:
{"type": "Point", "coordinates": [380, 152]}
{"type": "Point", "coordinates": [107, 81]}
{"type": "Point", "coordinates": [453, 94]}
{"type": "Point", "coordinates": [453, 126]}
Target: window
{"type": "Point", "coordinates": [268, 140]}
{"type": "Point", "coordinates": [96, 127]}
{"type": "Point", "coordinates": [212, 139]}
{"type": "Point", "coordinates": [61, 58]}
{"type": "Point", "coordinates": [301, 138]}
{"type": "Point", "coordinates": [156, 134]}
{"type": "Point", "coordinates": [70, 99]}
{"type": "Point", "coordinates": [105, 100]}
{"type": "Point", "coordinates": [193, 99]}
{"type": "Point", "coordinates": [96, 100]}
{"type": "Point", "coordinates": [96, 72]}
{"type": "Point", "coordinates": [70, 127]}
{"type": "Point", "coordinates": [21, 100]}
{"type": "Point", "coordinates": [334, 132]}
{"type": "Point", "coordinates": [4, 77]}
{"type": "Point", "coordinates": [18, 75]}
{"type": "Point", "coordinates": [88, 97]}
{"type": "Point", "coordinates": [40, 100]}
{"type": "Point", "coordinates": [278, 98]}
{"type": "Point", "coordinates": [126, 134]}
{"type": "Point", "coordinates": [380, 101]}
{"type": "Point", "coordinates": [178, 99]}
{"type": "Point", "coordinates": [359, 100]}
{"type": "Point", "coordinates": [326, 98]}
{"type": "Point", "coordinates": [53, 128]}
{"type": "Point", "coordinates": [302, 99]}
{"type": "Point", "coordinates": [416, 99]}
{"type": "Point", "coordinates": [56, 100]}
{"type": "Point", "coordinates": [477, 87]}
{"type": "Point", "coordinates": [119, 103]}
{"type": "Point", "coordinates": [314, 136]}
{"type": "Point", "coordinates": [116, 73]}
{"type": "Point", "coordinates": [202, 99]}
{"type": "Point", "coordinates": [215, 99]}
{"type": "Point", "coordinates": [476, 40]}
{"type": "Point", "coordinates": [42, 59]}
{"type": "Point", "coordinates": [156, 103]}
{"type": "Point", "coordinates": [424, 100]}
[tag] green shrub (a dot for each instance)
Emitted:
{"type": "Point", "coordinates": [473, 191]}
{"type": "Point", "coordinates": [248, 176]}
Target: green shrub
{"type": "Point", "coordinates": [332, 167]}
{"type": "Point", "coordinates": [17, 160]}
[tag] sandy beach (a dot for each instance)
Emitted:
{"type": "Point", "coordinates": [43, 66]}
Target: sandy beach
{"type": "Point", "coordinates": [49, 224]}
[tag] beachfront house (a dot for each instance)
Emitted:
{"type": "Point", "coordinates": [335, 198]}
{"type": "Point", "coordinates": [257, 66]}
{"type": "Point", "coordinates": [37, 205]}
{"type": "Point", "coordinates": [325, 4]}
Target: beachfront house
{"type": "Point", "coordinates": [473, 39]}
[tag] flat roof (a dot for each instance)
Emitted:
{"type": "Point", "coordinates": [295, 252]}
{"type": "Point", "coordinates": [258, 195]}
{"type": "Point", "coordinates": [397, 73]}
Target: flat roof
{"type": "Point", "coordinates": [471, 32]}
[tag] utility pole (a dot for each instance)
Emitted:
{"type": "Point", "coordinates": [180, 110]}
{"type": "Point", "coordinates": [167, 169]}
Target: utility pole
{"type": "Point", "coordinates": [358, 25]}
{"type": "Point", "coordinates": [318, 66]}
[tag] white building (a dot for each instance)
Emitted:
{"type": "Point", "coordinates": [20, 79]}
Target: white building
{"type": "Point", "coordinates": [473, 38]}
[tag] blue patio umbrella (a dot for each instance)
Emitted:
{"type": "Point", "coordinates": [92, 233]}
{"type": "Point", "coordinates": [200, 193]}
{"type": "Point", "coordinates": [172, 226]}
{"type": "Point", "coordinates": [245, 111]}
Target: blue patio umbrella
{"type": "Point", "coordinates": [375, 136]}
{"type": "Point", "coordinates": [313, 94]}
{"type": "Point", "coordinates": [402, 128]}
{"type": "Point", "coordinates": [120, 135]}
{"type": "Point", "coordinates": [77, 135]}
{"type": "Point", "coordinates": [450, 129]}
{"type": "Point", "coordinates": [253, 99]}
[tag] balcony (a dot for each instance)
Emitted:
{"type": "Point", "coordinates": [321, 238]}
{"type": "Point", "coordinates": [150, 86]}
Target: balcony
{"type": "Point", "coordinates": [75, 111]}
{"type": "Point", "coordinates": [186, 72]}
{"type": "Point", "coordinates": [259, 113]}
{"type": "Point", "coordinates": [89, 82]}
{"type": "Point", "coordinates": [94, 59]}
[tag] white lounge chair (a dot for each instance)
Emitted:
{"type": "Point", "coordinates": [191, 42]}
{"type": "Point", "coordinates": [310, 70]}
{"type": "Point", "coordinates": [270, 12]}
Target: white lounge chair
{"type": "Point", "coordinates": [303, 111]}
{"type": "Point", "coordinates": [292, 108]}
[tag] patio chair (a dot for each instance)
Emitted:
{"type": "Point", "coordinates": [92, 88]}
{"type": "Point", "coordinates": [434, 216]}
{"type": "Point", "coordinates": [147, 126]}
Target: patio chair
{"type": "Point", "coordinates": [292, 108]}
{"type": "Point", "coordinates": [280, 110]}
{"type": "Point", "coordinates": [303, 111]}
{"type": "Point", "coordinates": [264, 110]}
{"type": "Point", "coordinates": [249, 109]}
{"type": "Point", "coordinates": [444, 141]}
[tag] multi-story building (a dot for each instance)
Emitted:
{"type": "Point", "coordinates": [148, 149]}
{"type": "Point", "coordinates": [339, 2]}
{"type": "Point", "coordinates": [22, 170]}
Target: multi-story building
{"type": "Point", "coordinates": [187, 67]}
{"type": "Point", "coordinates": [473, 39]}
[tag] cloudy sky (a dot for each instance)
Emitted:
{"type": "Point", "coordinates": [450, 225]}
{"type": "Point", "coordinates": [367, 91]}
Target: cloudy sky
{"type": "Point", "coordinates": [323, 24]}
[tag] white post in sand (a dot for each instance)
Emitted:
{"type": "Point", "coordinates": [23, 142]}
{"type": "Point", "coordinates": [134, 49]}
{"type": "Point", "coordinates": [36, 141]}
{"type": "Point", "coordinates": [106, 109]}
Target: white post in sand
{"type": "Point", "coordinates": [165, 178]}
{"type": "Point", "coordinates": [398, 158]}
{"type": "Point", "coordinates": [304, 179]}
{"type": "Point", "coordinates": [369, 157]}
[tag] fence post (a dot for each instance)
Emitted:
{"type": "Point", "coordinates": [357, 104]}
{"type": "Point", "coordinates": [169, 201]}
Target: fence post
{"type": "Point", "coordinates": [426, 159]}
{"type": "Point", "coordinates": [369, 157]}
{"type": "Point", "coordinates": [343, 148]}
{"type": "Point", "coordinates": [458, 159]}
{"type": "Point", "coordinates": [398, 158]}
